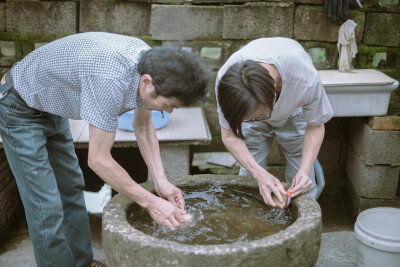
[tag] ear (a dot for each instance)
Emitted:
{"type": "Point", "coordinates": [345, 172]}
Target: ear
{"type": "Point", "coordinates": [146, 79]}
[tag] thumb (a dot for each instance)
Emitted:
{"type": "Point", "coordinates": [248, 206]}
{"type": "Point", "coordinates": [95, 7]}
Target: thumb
{"type": "Point", "coordinates": [171, 199]}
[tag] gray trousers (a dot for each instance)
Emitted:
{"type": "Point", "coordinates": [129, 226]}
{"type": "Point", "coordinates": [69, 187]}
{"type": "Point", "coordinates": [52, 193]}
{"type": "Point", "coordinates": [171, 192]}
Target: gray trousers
{"type": "Point", "coordinates": [259, 136]}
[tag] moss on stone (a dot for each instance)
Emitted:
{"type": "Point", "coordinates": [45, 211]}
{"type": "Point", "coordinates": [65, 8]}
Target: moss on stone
{"type": "Point", "coordinates": [150, 41]}
{"type": "Point", "coordinates": [33, 37]}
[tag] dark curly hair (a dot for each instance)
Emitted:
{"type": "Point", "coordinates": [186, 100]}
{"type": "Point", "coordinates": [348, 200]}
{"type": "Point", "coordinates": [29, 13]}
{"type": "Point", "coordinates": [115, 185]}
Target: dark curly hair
{"type": "Point", "coordinates": [241, 90]}
{"type": "Point", "coordinates": [176, 73]}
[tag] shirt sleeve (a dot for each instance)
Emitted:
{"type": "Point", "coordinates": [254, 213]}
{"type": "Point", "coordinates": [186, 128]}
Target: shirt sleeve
{"type": "Point", "coordinates": [316, 106]}
{"type": "Point", "coordinates": [101, 101]}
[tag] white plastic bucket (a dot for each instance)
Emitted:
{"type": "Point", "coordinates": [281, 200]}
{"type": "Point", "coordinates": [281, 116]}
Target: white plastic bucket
{"type": "Point", "coordinates": [378, 234]}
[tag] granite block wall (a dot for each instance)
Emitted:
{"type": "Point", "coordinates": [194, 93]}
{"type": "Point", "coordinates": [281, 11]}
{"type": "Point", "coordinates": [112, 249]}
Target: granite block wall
{"type": "Point", "coordinates": [216, 29]}
{"type": "Point", "coordinates": [373, 167]}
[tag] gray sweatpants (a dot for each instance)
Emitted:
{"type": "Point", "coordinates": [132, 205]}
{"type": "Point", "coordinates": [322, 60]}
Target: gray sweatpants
{"type": "Point", "coordinates": [259, 136]}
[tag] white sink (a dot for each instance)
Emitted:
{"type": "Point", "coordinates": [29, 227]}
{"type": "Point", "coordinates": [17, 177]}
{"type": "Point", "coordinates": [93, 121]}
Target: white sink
{"type": "Point", "coordinates": [364, 92]}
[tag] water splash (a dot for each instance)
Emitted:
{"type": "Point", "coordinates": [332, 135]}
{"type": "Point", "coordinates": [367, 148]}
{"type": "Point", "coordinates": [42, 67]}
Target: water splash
{"type": "Point", "coordinates": [221, 214]}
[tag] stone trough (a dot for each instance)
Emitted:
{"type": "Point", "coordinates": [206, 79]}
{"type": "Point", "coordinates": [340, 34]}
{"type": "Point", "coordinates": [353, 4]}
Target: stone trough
{"type": "Point", "coordinates": [297, 245]}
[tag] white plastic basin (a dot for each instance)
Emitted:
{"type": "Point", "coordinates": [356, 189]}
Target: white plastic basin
{"type": "Point", "coordinates": [365, 92]}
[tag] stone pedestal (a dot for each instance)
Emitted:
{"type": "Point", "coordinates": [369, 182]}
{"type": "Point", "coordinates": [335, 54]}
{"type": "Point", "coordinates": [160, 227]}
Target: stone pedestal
{"type": "Point", "coordinates": [373, 166]}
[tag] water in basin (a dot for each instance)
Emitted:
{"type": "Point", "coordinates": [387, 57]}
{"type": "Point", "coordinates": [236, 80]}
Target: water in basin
{"type": "Point", "coordinates": [221, 214]}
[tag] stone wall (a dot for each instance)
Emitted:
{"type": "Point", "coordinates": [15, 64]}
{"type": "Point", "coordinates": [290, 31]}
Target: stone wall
{"type": "Point", "coordinates": [216, 29]}
{"type": "Point", "coordinates": [373, 166]}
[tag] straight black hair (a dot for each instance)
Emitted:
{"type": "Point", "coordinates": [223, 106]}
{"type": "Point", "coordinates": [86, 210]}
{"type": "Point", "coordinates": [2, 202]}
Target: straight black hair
{"type": "Point", "coordinates": [242, 89]}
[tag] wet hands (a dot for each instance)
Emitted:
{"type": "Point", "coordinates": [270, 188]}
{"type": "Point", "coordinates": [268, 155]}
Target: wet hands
{"type": "Point", "coordinates": [170, 192]}
{"type": "Point", "coordinates": [269, 186]}
{"type": "Point", "coordinates": [166, 214]}
{"type": "Point", "coordinates": [170, 213]}
{"type": "Point", "coordinates": [301, 184]}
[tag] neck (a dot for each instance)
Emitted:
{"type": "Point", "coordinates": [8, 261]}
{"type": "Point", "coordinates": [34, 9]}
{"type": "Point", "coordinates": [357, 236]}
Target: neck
{"type": "Point", "coordinates": [273, 71]}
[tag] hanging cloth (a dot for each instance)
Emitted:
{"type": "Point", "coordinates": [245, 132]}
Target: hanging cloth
{"type": "Point", "coordinates": [346, 44]}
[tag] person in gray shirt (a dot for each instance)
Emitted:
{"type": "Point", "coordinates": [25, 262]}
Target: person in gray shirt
{"type": "Point", "coordinates": [95, 77]}
{"type": "Point", "coordinates": [270, 89]}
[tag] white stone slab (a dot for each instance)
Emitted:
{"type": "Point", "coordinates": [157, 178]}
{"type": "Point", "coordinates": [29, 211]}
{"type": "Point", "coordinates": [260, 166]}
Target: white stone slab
{"type": "Point", "coordinates": [185, 124]}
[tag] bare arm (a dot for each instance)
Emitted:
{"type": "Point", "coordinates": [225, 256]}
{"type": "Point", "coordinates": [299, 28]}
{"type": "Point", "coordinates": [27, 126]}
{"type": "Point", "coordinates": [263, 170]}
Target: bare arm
{"type": "Point", "coordinates": [266, 181]}
{"type": "Point", "coordinates": [150, 150]}
{"type": "Point", "coordinates": [312, 143]}
{"type": "Point", "coordinates": [102, 163]}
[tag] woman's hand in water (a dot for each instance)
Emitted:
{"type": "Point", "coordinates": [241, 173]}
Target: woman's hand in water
{"type": "Point", "coordinates": [166, 214]}
{"type": "Point", "coordinates": [170, 192]}
{"type": "Point", "coordinates": [268, 185]}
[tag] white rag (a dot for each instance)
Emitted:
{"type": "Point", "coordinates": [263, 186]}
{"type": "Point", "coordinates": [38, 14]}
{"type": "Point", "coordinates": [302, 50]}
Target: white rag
{"type": "Point", "coordinates": [346, 44]}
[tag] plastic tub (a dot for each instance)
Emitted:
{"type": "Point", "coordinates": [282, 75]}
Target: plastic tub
{"type": "Point", "coordinates": [363, 92]}
{"type": "Point", "coordinates": [378, 234]}
{"type": "Point", "coordinates": [126, 119]}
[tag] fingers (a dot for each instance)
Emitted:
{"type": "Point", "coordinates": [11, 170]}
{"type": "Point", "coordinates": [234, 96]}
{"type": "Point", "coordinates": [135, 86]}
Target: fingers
{"type": "Point", "coordinates": [266, 195]}
{"type": "Point", "coordinates": [180, 201]}
{"type": "Point", "coordinates": [302, 186]}
{"type": "Point", "coordinates": [267, 191]}
{"type": "Point", "coordinates": [167, 214]}
{"type": "Point", "coordinates": [278, 195]}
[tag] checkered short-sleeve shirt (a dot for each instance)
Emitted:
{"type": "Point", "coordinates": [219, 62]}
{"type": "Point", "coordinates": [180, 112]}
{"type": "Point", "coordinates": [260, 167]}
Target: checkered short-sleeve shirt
{"type": "Point", "coordinates": [91, 76]}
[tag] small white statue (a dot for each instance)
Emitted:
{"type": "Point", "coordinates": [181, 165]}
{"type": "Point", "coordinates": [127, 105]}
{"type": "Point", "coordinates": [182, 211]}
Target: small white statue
{"type": "Point", "coordinates": [346, 44]}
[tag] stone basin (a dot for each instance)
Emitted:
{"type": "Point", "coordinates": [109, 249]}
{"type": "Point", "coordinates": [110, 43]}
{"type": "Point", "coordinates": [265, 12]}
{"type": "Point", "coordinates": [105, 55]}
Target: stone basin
{"type": "Point", "coordinates": [298, 244]}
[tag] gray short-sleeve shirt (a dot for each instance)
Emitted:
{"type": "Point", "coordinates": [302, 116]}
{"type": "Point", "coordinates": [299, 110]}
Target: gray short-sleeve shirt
{"type": "Point", "coordinates": [91, 76]}
{"type": "Point", "coordinates": [302, 90]}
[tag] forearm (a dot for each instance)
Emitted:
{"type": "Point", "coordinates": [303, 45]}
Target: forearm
{"type": "Point", "coordinates": [240, 152]}
{"type": "Point", "coordinates": [150, 149]}
{"type": "Point", "coordinates": [114, 175]}
{"type": "Point", "coordinates": [312, 143]}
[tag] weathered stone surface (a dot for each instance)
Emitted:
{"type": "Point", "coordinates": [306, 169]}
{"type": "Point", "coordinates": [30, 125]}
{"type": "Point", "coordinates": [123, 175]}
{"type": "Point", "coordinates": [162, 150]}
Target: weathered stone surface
{"type": "Point", "coordinates": [175, 160]}
{"type": "Point", "coordinates": [41, 17]}
{"type": "Point", "coordinates": [169, 2]}
{"type": "Point", "coordinates": [7, 49]}
{"type": "Point", "coordinates": [297, 245]}
{"type": "Point", "coordinates": [338, 248]}
{"type": "Point", "coordinates": [117, 17]}
{"type": "Point", "coordinates": [185, 22]}
{"type": "Point", "coordinates": [382, 29]}
{"type": "Point", "coordinates": [357, 204]}
{"type": "Point", "coordinates": [385, 123]}
{"type": "Point", "coordinates": [3, 17]}
{"type": "Point", "coordinates": [215, 2]}
{"type": "Point", "coordinates": [379, 181]}
{"type": "Point", "coordinates": [374, 146]}
{"type": "Point", "coordinates": [255, 20]}
{"type": "Point", "coordinates": [312, 23]}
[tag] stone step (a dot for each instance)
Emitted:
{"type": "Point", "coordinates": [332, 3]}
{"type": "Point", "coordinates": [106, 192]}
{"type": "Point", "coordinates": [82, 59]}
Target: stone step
{"type": "Point", "coordinates": [385, 123]}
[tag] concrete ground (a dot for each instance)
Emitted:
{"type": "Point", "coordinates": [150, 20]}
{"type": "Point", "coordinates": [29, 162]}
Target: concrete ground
{"type": "Point", "coordinates": [338, 247]}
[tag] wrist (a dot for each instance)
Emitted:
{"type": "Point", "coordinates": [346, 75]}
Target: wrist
{"type": "Point", "coordinates": [159, 179]}
{"type": "Point", "coordinates": [257, 173]}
